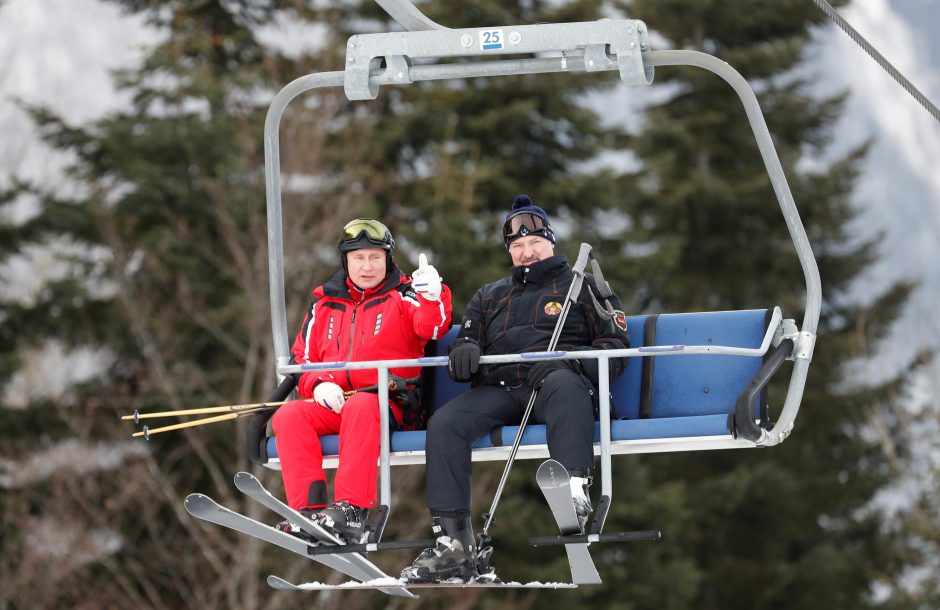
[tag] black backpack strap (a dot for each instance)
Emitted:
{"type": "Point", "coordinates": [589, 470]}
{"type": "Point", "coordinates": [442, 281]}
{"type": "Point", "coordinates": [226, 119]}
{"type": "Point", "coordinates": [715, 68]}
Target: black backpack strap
{"type": "Point", "coordinates": [256, 446]}
{"type": "Point", "coordinates": [408, 395]}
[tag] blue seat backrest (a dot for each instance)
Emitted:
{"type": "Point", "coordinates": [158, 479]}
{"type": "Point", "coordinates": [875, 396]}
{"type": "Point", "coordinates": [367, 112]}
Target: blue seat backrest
{"type": "Point", "coordinates": [708, 384]}
{"type": "Point", "coordinates": [625, 389]}
{"type": "Point", "coordinates": [682, 385]}
{"type": "Point", "coordinates": [445, 388]}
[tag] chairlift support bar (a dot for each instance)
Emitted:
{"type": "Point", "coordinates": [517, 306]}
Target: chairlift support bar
{"type": "Point", "coordinates": [769, 339]}
{"type": "Point", "coordinates": [408, 15]}
{"type": "Point", "coordinates": [605, 45]}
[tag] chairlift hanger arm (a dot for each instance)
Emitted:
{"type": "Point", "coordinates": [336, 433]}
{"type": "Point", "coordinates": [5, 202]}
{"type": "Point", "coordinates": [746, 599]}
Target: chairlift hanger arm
{"type": "Point", "coordinates": [606, 44]}
{"type": "Point", "coordinates": [408, 15]}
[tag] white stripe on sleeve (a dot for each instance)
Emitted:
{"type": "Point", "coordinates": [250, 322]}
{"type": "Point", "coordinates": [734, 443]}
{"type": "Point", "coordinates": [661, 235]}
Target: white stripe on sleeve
{"type": "Point", "coordinates": [313, 318]}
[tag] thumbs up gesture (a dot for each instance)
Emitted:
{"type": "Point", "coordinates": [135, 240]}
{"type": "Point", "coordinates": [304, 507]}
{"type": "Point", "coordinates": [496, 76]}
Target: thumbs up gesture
{"type": "Point", "coordinates": [426, 279]}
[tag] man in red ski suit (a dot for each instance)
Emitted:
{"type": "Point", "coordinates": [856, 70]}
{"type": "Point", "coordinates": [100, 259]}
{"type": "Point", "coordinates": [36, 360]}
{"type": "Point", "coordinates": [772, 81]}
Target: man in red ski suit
{"type": "Point", "coordinates": [369, 310]}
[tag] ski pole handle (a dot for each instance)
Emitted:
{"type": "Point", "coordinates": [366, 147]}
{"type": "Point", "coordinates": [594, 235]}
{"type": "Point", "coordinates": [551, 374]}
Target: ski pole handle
{"type": "Point", "coordinates": [584, 252]}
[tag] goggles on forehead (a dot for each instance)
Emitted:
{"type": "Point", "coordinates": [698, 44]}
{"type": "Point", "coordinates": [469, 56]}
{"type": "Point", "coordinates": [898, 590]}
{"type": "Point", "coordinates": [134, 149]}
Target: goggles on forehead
{"type": "Point", "coordinates": [523, 224]}
{"type": "Point", "coordinates": [374, 231]}
{"type": "Point", "coordinates": [532, 222]}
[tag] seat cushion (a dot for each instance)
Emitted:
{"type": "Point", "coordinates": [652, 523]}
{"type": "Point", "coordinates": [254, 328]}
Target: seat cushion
{"type": "Point", "coordinates": [621, 430]}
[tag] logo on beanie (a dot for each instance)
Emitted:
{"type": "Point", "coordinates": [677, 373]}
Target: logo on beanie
{"type": "Point", "coordinates": [553, 308]}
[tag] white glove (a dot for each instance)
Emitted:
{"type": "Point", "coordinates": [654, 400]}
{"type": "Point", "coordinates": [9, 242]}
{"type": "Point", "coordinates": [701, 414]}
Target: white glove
{"type": "Point", "coordinates": [329, 395]}
{"type": "Point", "coordinates": [426, 279]}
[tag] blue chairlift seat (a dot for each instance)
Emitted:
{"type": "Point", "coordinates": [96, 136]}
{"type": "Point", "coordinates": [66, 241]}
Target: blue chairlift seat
{"type": "Point", "coordinates": [669, 404]}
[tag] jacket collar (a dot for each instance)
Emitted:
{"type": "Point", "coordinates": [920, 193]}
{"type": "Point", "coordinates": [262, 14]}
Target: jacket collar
{"type": "Point", "coordinates": [540, 272]}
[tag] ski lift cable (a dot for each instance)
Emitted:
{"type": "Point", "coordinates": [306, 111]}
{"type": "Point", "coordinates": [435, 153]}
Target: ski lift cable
{"type": "Point", "coordinates": [878, 57]}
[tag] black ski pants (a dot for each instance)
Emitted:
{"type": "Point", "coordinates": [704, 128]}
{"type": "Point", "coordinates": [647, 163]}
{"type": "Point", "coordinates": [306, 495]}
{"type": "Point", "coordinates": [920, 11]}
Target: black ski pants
{"type": "Point", "coordinates": [564, 404]}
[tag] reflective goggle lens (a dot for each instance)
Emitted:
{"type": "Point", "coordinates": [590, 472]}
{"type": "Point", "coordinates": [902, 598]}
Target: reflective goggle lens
{"type": "Point", "coordinates": [532, 222]}
{"type": "Point", "coordinates": [373, 229]}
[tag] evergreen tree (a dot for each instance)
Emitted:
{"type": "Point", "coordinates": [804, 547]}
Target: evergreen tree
{"type": "Point", "coordinates": [704, 232]}
{"type": "Point", "coordinates": [166, 281]}
{"type": "Point", "coordinates": [789, 527]}
{"type": "Point", "coordinates": [171, 190]}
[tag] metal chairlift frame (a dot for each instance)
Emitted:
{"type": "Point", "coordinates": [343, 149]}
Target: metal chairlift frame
{"type": "Point", "coordinates": [375, 60]}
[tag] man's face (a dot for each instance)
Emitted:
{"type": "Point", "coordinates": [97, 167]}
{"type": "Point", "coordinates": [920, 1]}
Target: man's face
{"type": "Point", "coordinates": [366, 267]}
{"type": "Point", "coordinates": [530, 249]}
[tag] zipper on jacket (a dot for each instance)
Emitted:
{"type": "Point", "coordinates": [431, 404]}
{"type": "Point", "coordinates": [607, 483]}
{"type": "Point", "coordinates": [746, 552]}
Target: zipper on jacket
{"type": "Point", "coordinates": [352, 339]}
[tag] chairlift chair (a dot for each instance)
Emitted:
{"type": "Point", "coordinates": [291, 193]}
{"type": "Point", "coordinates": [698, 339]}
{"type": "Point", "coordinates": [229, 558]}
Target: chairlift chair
{"type": "Point", "coordinates": [694, 380]}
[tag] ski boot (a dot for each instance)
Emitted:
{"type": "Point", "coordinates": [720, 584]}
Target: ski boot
{"type": "Point", "coordinates": [294, 529]}
{"type": "Point", "coordinates": [581, 495]}
{"type": "Point", "coordinates": [345, 521]}
{"type": "Point", "coordinates": [454, 557]}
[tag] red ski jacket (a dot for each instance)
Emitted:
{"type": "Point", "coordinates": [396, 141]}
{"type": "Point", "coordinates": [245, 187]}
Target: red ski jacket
{"type": "Point", "coordinates": [344, 324]}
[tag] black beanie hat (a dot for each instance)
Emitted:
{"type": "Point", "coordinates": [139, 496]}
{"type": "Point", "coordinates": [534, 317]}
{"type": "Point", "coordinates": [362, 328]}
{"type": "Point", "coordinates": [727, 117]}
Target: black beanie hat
{"type": "Point", "coordinates": [523, 204]}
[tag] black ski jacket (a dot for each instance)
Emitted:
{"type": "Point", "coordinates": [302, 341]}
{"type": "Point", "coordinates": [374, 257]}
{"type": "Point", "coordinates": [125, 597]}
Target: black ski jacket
{"type": "Point", "coordinates": [519, 313]}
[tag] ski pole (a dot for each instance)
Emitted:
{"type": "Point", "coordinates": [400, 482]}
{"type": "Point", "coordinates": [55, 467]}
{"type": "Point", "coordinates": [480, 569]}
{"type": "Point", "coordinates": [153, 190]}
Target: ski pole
{"type": "Point", "coordinates": [235, 411]}
{"type": "Point", "coordinates": [573, 291]}
{"type": "Point", "coordinates": [137, 415]}
{"type": "Point", "coordinates": [393, 384]}
{"type": "Point", "coordinates": [147, 433]}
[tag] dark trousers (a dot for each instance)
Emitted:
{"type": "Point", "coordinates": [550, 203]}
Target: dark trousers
{"type": "Point", "coordinates": [564, 404]}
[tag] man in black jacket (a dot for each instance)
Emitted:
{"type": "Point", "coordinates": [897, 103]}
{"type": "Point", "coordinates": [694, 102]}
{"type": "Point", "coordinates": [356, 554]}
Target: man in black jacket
{"type": "Point", "coordinates": [513, 315]}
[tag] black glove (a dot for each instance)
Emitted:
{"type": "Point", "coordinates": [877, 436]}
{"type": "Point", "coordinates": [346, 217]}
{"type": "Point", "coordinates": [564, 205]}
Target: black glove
{"type": "Point", "coordinates": [464, 361]}
{"type": "Point", "coordinates": [541, 370]}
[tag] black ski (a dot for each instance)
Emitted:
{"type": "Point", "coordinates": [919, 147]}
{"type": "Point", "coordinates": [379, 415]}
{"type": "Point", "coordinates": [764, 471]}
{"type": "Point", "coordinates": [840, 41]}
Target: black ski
{"type": "Point", "coordinates": [277, 582]}
{"type": "Point", "coordinates": [356, 566]}
{"type": "Point", "coordinates": [555, 483]}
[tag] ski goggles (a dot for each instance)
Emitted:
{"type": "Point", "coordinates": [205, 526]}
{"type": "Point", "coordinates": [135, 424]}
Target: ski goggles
{"type": "Point", "coordinates": [526, 223]}
{"type": "Point", "coordinates": [374, 231]}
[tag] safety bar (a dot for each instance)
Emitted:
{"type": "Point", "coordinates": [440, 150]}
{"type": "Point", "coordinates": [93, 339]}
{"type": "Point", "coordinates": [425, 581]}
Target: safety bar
{"type": "Point", "coordinates": [744, 426]}
{"type": "Point", "coordinates": [633, 352]}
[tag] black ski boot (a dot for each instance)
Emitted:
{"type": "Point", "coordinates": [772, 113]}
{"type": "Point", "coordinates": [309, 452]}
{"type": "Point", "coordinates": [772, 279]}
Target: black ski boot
{"type": "Point", "coordinates": [344, 521]}
{"type": "Point", "coordinates": [454, 557]}
{"type": "Point", "coordinates": [581, 495]}
{"type": "Point", "coordinates": [294, 529]}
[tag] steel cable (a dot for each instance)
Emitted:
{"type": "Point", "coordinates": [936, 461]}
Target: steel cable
{"type": "Point", "coordinates": [878, 57]}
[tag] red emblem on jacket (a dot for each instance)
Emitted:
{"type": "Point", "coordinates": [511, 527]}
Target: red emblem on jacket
{"type": "Point", "coordinates": [620, 319]}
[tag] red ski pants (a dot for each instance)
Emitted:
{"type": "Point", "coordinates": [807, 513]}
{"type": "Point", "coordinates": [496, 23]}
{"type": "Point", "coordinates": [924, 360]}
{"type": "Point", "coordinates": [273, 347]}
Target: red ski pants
{"type": "Point", "coordinates": [298, 426]}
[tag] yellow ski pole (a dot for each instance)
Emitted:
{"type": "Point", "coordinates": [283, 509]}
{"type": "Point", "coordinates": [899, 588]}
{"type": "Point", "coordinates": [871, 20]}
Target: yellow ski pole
{"type": "Point", "coordinates": [243, 410]}
{"type": "Point", "coordinates": [137, 415]}
{"type": "Point", "coordinates": [147, 432]}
